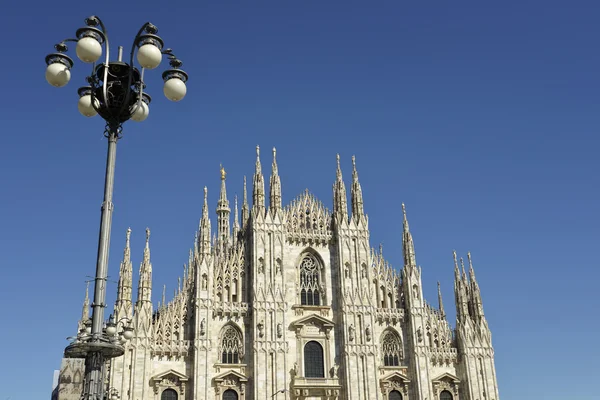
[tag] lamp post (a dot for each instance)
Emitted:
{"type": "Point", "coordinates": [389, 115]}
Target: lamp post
{"type": "Point", "coordinates": [115, 91]}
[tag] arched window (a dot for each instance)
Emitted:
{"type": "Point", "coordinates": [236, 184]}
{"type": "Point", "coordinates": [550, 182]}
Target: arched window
{"type": "Point", "coordinates": [391, 349]}
{"type": "Point", "coordinates": [168, 394]}
{"type": "Point", "coordinates": [231, 345]}
{"type": "Point", "coordinates": [230, 394]}
{"type": "Point", "coordinates": [446, 395]}
{"type": "Point", "coordinates": [395, 395]}
{"type": "Point", "coordinates": [313, 360]}
{"type": "Point", "coordinates": [309, 281]}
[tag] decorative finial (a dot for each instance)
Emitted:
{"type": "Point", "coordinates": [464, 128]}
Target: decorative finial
{"type": "Point", "coordinates": [205, 193]}
{"type": "Point", "coordinates": [354, 162]}
{"type": "Point", "coordinates": [274, 153]}
{"type": "Point", "coordinates": [469, 258]}
{"type": "Point", "coordinates": [257, 151]}
{"type": "Point", "coordinates": [337, 157]}
{"type": "Point", "coordinates": [147, 236]}
{"type": "Point", "coordinates": [128, 235]}
{"type": "Point", "coordinates": [455, 261]}
{"type": "Point", "coordinates": [223, 173]}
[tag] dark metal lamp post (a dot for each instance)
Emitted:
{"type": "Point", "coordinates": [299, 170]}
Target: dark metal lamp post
{"type": "Point", "coordinates": [115, 91]}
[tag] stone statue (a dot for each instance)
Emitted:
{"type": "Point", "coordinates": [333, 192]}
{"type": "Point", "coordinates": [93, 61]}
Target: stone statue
{"type": "Point", "coordinates": [279, 330]}
{"type": "Point", "coordinates": [351, 332]}
{"type": "Point", "coordinates": [202, 326]}
{"type": "Point", "coordinates": [261, 327]}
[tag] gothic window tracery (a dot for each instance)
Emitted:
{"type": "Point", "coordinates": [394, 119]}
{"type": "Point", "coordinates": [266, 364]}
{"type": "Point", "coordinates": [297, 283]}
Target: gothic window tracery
{"type": "Point", "coordinates": [168, 394]}
{"type": "Point", "coordinates": [314, 366]}
{"type": "Point", "coordinates": [231, 345]}
{"type": "Point", "coordinates": [446, 395]}
{"type": "Point", "coordinates": [310, 281]}
{"type": "Point", "coordinates": [391, 349]}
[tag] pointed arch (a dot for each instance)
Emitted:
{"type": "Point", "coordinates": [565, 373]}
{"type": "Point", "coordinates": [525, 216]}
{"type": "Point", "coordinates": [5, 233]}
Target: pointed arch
{"type": "Point", "coordinates": [391, 348]}
{"type": "Point", "coordinates": [231, 344]}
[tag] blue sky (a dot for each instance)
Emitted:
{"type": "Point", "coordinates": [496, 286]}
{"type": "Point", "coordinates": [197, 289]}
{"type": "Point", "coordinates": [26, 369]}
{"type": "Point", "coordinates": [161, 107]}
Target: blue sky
{"type": "Point", "coordinates": [482, 118]}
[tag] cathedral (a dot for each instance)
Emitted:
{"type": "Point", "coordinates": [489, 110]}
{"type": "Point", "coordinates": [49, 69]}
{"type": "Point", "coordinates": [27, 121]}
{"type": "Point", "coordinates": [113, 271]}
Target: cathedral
{"type": "Point", "coordinates": [292, 302]}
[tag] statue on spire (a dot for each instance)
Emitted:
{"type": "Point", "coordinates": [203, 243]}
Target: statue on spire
{"type": "Point", "coordinates": [258, 192]}
{"type": "Point", "coordinates": [356, 195]}
{"type": "Point", "coordinates": [275, 186]}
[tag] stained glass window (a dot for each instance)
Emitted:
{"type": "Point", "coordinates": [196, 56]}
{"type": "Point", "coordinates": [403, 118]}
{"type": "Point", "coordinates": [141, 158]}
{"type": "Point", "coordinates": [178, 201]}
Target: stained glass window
{"type": "Point", "coordinates": [313, 360]}
{"type": "Point", "coordinates": [231, 345]}
{"type": "Point", "coordinates": [391, 349]}
{"type": "Point", "coordinates": [168, 394]}
{"type": "Point", "coordinates": [446, 395]}
{"type": "Point", "coordinates": [230, 395]}
{"type": "Point", "coordinates": [309, 282]}
{"type": "Point", "coordinates": [394, 395]}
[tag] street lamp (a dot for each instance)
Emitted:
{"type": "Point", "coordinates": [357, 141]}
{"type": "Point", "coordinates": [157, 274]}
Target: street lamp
{"type": "Point", "coordinates": [115, 91]}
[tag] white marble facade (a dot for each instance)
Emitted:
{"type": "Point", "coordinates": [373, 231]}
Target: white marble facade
{"type": "Point", "coordinates": [293, 303]}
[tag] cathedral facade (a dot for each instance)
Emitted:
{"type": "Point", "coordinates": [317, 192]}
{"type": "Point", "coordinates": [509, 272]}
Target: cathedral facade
{"type": "Point", "coordinates": [292, 302]}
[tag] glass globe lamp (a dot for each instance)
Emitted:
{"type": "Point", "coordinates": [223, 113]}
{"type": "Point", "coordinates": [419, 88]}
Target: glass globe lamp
{"type": "Point", "coordinates": [88, 49]}
{"type": "Point", "coordinates": [58, 74]}
{"type": "Point", "coordinates": [141, 111]}
{"type": "Point", "coordinates": [128, 332]}
{"type": "Point", "coordinates": [149, 56]}
{"type": "Point", "coordinates": [175, 89]}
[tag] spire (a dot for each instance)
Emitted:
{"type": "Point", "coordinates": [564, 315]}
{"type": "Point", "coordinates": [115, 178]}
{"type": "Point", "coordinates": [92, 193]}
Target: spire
{"type": "Point", "coordinates": [236, 224]}
{"type": "Point", "coordinates": [204, 240]}
{"type": "Point", "coordinates": [456, 270]}
{"type": "Point", "coordinates": [258, 193]}
{"type": "Point", "coordinates": [85, 310]}
{"type": "Point", "coordinates": [464, 274]}
{"type": "Point", "coordinates": [245, 211]}
{"type": "Point", "coordinates": [356, 194]}
{"type": "Point", "coordinates": [145, 283]}
{"type": "Point", "coordinates": [340, 201]}
{"type": "Point", "coordinates": [407, 242]}
{"type": "Point", "coordinates": [164, 302]}
{"type": "Point", "coordinates": [460, 292]}
{"type": "Point", "coordinates": [475, 293]}
{"type": "Point", "coordinates": [223, 212]}
{"type": "Point", "coordinates": [471, 270]}
{"type": "Point", "coordinates": [440, 303]}
{"type": "Point", "coordinates": [274, 186]}
{"type": "Point", "coordinates": [123, 303]}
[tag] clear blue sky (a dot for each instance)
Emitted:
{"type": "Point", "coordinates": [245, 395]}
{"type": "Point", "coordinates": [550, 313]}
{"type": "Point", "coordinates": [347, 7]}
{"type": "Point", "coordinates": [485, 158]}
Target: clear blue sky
{"type": "Point", "coordinates": [482, 118]}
